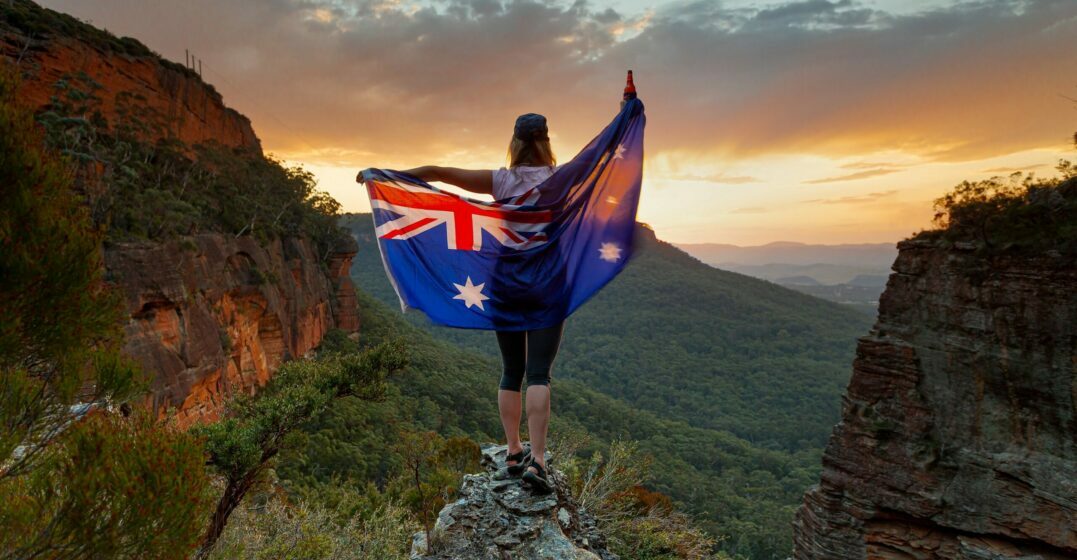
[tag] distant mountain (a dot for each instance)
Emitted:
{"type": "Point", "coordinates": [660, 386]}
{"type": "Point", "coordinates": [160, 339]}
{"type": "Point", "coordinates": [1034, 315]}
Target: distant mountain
{"type": "Point", "coordinates": [822, 273]}
{"type": "Point", "coordinates": [870, 256]}
{"type": "Point", "coordinates": [869, 281]}
{"type": "Point", "coordinates": [853, 275]}
{"type": "Point", "coordinates": [797, 281]}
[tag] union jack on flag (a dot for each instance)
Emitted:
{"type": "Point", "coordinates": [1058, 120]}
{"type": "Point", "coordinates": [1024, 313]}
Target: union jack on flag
{"type": "Point", "coordinates": [520, 263]}
{"type": "Point", "coordinates": [421, 209]}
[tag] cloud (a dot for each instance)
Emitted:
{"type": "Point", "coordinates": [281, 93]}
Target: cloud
{"type": "Point", "coordinates": [750, 210]}
{"type": "Point", "coordinates": [872, 165]}
{"type": "Point", "coordinates": [1014, 169]}
{"type": "Point", "coordinates": [854, 176]}
{"type": "Point", "coordinates": [413, 82]}
{"type": "Point", "coordinates": [855, 199]}
{"type": "Point", "coordinates": [714, 178]}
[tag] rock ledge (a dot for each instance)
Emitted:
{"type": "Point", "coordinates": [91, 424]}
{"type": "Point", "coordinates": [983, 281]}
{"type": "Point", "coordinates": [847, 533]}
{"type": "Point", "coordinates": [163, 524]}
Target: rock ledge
{"type": "Point", "coordinates": [496, 518]}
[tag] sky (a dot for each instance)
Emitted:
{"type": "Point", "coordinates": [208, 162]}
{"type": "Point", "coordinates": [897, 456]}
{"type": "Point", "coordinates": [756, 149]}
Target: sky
{"type": "Point", "coordinates": [816, 121]}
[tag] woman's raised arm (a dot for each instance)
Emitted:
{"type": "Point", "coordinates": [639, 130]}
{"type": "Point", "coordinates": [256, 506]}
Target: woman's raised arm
{"type": "Point", "coordinates": [474, 180]}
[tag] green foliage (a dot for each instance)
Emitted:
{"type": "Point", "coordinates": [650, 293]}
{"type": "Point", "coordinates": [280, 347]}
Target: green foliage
{"type": "Point", "coordinates": [61, 324]}
{"type": "Point", "coordinates": [75, 481]}
{"type": "Point", "coordinates": [337, 341]}
{"type": "Point", "coordinates": [308, 530]}
{"type": "Point", "coordinates": [686, 341]}
{"type": "Point", "coordinates": [432, 467]}
{"type": "Point", "coordinates": [1020, 212]}
{"type": "Point", "coordinates": [242, 446]}
{"type": "Point", "coordinates": [138, 189]}
{"type": "Point", "coordinates": [737, 492]}
{"type": "Point", "coordinates": [257, 425]}
{"type": "Point", "coordinates": [639, 524]}
{"type": "Point", "coordinates": [111, 487]}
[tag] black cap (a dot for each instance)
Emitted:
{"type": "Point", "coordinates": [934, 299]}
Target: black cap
{"type": "Point", "coordinates": [531, 126]}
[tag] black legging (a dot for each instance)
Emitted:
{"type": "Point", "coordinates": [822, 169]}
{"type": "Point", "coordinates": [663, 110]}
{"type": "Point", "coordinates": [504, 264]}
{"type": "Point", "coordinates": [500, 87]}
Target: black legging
{"type": "Point", "coordinates": [528, 352]}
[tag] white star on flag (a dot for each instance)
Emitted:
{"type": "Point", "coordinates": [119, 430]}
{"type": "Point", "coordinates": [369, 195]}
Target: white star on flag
{"type": "Point", "coordinates": [610, 252]}
{"type": "Point", "coordinates": [619, 154]}
{"type": "Point", "coordinates": [471, 294]}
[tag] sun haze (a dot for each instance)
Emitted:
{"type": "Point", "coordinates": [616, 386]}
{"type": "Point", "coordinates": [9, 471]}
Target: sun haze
{"type": "Point", "coordinates": [813, 121]}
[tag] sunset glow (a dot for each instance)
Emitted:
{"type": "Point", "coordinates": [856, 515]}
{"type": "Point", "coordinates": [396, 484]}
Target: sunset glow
{"type": "Point", "coordinates": [812, 121]}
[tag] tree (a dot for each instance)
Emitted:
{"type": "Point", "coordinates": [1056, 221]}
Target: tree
{"type": "Point", "coordinates": [61, 324]}
{"type": "Point", "coordinates": [76, 480]}
{"type": "Point", "coordinates": [242, 446]}
{"type": "Point", "coordinates": [113, 487]}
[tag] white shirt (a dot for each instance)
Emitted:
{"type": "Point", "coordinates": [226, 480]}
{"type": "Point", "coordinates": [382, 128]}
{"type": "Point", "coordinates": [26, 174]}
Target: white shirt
{"type": "Point", "coordinates": [518, 180]}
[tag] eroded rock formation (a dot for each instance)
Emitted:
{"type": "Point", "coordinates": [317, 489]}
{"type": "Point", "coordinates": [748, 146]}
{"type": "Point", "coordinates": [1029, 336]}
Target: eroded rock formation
{"type": "Point", "coordinates": [497, 518]}
{"type": "Point", "coordinates": [959, 435]}
{"type": "Point", "coordinates": [212, 314]}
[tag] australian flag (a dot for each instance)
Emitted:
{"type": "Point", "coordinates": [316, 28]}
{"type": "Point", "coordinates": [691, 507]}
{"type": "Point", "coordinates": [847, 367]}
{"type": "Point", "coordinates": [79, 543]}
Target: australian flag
{"type": "Point", "coordinates": [521, 263]}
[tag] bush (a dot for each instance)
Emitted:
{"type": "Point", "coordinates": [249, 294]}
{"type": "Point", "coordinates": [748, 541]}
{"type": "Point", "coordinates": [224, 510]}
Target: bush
{"type": "Point", "coordinates": [111, 487]}
{"type": "Point", "coordinates": [243, 445]}
{"type": "Point", "coordinates": [1020, 212]}
{"type": "Point", "coordinates": [639, 523]}
{"type": "Point", "coordinates": [61, 324]}
{"type": "Point", "coordinates": [139, 188]}
{"type": "Point", "coordinates": [307, 530]}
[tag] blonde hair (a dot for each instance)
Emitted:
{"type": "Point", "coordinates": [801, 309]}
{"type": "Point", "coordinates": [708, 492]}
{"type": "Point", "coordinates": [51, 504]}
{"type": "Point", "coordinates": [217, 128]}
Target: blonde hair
{"type": "Point", "coordinates": [533, 152]}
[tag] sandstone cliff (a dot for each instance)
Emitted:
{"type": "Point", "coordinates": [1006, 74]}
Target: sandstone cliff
{"type": "Point", "coordinates": [497, 518]}
{"type": "Point", "coordinates": [212, 315]}
{"type": "Point", "coordinates": [959, 433]}
{"type": "Point", "coordinates": [49, 46]}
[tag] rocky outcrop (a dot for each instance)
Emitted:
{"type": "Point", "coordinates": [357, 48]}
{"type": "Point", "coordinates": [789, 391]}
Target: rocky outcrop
{"type": "Point", "coordinates": [212, 315]}
{"type": "Point", "coordinates": [497, 518]}
{"type": "Point", "coordinates": [49, 46]}
{"type": "Point", "coordinates": [959, 434]}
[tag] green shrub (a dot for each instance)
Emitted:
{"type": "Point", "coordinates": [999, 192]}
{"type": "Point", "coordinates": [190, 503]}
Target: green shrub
{"type": "Point", "coordinates": [1020, 212]}
{"type": "Point", "coordinates": [74, 485]}
{"type": "Point", "coordinates": [243, 446]}
{"type": "Point", "coordinates": [308, 530]}
{"type": "Point", "coordinates": [141, 189]}
{"type": "Point", "coordinates": [639, 523]}
{"type": "Point", "coordinates": [111, 487]}
{"type": "Point", "coordinates": [61, 325]}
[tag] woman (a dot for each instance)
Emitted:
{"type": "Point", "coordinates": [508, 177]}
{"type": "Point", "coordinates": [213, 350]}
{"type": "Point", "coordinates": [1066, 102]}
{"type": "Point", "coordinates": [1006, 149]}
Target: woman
{"type": "Point", "coordinates": [526, 354]}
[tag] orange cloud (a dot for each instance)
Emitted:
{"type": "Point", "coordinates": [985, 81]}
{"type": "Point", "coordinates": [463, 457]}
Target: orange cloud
{"type": "Point", "coordinates": [407, 82]}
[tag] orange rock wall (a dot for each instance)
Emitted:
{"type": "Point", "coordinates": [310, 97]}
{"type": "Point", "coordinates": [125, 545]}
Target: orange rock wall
{"type": "Point", "coordinates": [212, 315]}
{"type": "Point", "coordinates": [194, 112]}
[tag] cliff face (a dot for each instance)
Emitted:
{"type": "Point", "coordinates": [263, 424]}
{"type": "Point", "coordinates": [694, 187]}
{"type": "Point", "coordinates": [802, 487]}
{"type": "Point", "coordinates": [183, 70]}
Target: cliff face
{"type": "Point", "coordinates": [212, 315]}
{"type": "Point", "coordinates": [959, 434]}
{"type": "Point", "coordinates": [191, 111]}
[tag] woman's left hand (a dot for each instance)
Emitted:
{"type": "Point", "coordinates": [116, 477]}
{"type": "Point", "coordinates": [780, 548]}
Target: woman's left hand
{"type": "Point", "coordinates": [359, 178]}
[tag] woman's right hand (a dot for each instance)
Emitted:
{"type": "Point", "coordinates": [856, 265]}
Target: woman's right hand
{"type": "Point", "coordinates": [359, 178]}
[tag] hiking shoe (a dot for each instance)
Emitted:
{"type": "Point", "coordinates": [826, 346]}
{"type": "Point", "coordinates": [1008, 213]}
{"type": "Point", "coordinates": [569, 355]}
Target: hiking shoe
{"type": "Point", "coordinates": [537, 481]}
